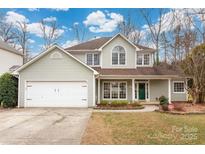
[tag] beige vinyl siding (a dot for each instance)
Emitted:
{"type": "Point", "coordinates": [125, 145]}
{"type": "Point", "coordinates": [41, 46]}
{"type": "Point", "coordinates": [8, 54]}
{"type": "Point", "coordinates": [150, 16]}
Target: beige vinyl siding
{"type": "Point", "coordinates": [158, 88]}
{"type": "Point", "coordinates": [178, 96]}
{"type": "Point", "coordinates": [9, 59]}
{"type": "Point", "coordinates": [80, 56]}
{"type": "Point", "coordinates": [48, 69]}
{"type": "Point", "coordinates": [107, 54]}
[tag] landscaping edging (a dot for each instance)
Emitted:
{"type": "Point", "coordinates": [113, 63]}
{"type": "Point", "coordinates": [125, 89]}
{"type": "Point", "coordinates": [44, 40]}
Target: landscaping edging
{"type": "Point", "coordinates": [180, 113]}
{"type": "Point", "coordinates": [119, 108]}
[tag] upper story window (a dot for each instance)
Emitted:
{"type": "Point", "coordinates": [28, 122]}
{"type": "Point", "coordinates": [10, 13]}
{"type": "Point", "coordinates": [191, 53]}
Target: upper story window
{"type": "Point", "coordinates": [143, 59]}
{"type": "Point", "coordinates": [93, 59]}
{"type": "Point", "coordinates": [118, 56]}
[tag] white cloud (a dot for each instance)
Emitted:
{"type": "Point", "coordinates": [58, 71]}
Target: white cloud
{"type": "Point", "coordinates": [100, 22]}
{"type": "Point", "coordinates": [64, 27]}
{"type": "Point", "coordinates": [31, 41]}
{"type": "Point", "coordinates": [14, 18]}
{"type": "Point", "coordinates": [60, 9]}
{"type": "Point", "coordinates": [70, 29]}
{"type": "Point", "coordinates": [33, 9]}
{"type": "Point", "coordinates": [70, 43]}
{"type": "Point", "coordinates": [75, 23]}
{"type": "Point", "coordinates": [50, 19]}
{"type": "Point", "coordinates": [35, 28]}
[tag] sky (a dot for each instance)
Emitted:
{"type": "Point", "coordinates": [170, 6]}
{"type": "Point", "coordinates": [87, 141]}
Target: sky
{"type": "Point", "coordinates": [97, 22]}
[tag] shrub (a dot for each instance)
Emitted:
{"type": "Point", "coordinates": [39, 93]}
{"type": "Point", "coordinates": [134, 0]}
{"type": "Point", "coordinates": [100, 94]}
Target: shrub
{"type": "Point", "coordinates": [104, 103]}
{"type": "Point", "coordinates": [8, 90]}
{"type": "Point", "coordinates": [163, 100]}
{"type": "Point", "coordinates": [135, 104]}
{"type": "Point", "coordinates": [119, 103]}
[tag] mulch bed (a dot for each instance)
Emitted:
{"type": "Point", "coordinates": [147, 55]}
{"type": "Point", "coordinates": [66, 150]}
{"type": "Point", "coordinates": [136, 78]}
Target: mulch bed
{"type": "Point", "coordinates": [185, 108]}
{"type": "Point", "coordinates": [127, 107]}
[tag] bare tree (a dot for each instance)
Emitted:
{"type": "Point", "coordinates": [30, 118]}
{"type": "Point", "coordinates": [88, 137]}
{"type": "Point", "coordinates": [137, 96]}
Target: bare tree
{"type": "Point", "coordinates": [7, 31]}
{"type": "Point", "coordinates": [194, 67]}
{"type": "Point", "coordinates": [50, 33]}
{"type": "Point", "coordinates": [165, 43]}
{"type": "Point", "coordinates": [154, 29]}
{"type": "Point", "coordinates": [23, 39]}
{"type": "Point", "coordinates": [79, 32]}
{"type": "Point", "coordinates": [129, 30]}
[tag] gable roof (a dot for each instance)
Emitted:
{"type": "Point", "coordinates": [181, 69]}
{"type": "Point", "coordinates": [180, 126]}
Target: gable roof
{"type": "Point", "coordinates": [47, 51]}
{"type": "Point", "coordinates": [7, 47]}
{"type": "Point", "coordinates": [98, 44]}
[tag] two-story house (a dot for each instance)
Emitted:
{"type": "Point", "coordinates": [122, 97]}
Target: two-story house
{"type": "Point", "coordinates": [10, 58]}
{"type": "Point", "coordinates": [101, 69]}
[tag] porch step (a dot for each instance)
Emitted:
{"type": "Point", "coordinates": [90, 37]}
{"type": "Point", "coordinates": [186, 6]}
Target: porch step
{"type": "Point", "coordinates": [148, 103]}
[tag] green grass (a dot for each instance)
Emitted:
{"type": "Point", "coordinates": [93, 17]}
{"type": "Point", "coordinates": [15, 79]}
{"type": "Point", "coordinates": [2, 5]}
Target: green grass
{"type": "Point", "coordinates": [144, 128]}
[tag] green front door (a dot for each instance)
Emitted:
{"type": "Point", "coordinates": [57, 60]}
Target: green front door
{"type": "Point", "coordinates": [141, 91]}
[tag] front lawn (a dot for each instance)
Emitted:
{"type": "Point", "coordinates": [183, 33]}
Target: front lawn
{"type": "Point", "coordinates": [144, 128]}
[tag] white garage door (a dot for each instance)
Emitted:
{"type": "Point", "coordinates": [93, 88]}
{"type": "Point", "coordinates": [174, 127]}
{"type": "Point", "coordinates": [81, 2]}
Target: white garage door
{"type": "Point", "coordinates": [56, 94]}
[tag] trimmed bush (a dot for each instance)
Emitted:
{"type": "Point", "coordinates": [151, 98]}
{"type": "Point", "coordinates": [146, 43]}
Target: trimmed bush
{"type": "Point", "coordinates": [135, 104]}
{"type": "Point", "coordinates": [8, 90]}
{"type": "Point", "coordinates": [104, 103]}
{"type": "Point", "coordinates": [163, 100]}
{"type": "Point", "coordinates": [118, 103]}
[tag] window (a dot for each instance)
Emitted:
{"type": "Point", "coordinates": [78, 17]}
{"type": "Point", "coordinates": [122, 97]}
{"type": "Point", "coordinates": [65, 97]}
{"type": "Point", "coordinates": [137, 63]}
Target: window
{"type": "Point", "coordinates": [122, 90]}
{"type": "Point", "coordinates": [93, 59]}
{"type": "Point", "coordinates": [146, 59]}
{"type": "Point", "coordinates": [143, 59]}
{"type": "Point", "coordinates": [118, 56]}
{"type": "Point", "coordinates": [178, 86]}
{"type": "Point", "coordinates": [139, 59]}
{"type": "Point", "coordinates": [115, 90]}
{"type": "Point", "coordinates": [106, 90]}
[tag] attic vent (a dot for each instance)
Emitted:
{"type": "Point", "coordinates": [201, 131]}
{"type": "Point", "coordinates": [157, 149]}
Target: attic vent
{"type": "Point", "coordinates": [56, 55]}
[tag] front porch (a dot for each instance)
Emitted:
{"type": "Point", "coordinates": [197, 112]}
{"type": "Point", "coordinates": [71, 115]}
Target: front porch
{"type": "Point", "coordinates": [145, 91]}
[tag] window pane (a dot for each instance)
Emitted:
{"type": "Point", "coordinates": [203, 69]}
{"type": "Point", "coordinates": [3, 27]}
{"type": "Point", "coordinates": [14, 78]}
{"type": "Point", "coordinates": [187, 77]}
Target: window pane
{"type": "Point", "coordinates": [146, 59]}
{"type": "Point", "coordinates": [118, 55]}
{"type": "Point", "coordinates": [114, 90]}
{"type": "Point", "coordinates": [114, 58]}
{"type": "Point", "coordinates": [139, 59]}
{"type": "Point", "coordinates": [178, 87]}
{"type": "Point", "coordinates": [89, 59]}
{"type": "Point", "coordinates": [106, 90]}
{"type": "Point", "coordinates": [123, 90]}
{"type": "Point", "coordinates": [96, 59]}
{"type": "Point", "coordinates": [122, 58]}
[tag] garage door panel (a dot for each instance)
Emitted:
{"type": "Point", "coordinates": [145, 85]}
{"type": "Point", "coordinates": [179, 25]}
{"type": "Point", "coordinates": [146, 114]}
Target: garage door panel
{"type": "Point", "coordinates": [56, 94]}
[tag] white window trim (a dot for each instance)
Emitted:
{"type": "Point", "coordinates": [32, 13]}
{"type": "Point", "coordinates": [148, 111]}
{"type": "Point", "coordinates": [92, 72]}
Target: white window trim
{"type": "Point", "coordinates": [179, 92]}
{"type": "Point", "coordinates": [93, 59]}
{"type": "Point", "coordinates": [111, 90]}
{"type": "Point", "coordinates": [119, 58]}
{"type": "Point", "coordinates": [150, 60]}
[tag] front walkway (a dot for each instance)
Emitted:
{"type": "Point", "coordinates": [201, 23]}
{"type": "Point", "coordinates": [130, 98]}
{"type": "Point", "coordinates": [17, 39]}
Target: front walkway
{"type": "Point", "coordinates": [148, 108]}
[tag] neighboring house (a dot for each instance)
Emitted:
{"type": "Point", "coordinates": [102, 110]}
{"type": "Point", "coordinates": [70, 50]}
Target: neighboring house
{"type": "Point", "coordinates": [10, 58]}
{"type": "Point", "coordinates": [101, 69]}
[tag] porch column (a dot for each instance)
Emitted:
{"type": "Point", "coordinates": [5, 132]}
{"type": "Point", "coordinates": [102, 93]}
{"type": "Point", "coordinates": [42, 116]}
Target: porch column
{"type": "Point", "coordinates": [98, 91]}
{"type": "Point", "coordinates": [133, 90]}
{"type": "Point", "coordinates": [169, 91]}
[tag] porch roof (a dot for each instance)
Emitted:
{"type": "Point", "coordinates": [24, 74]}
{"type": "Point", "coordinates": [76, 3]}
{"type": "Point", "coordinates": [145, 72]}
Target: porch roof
{"type": "Point", "coordinates": [147, 71]}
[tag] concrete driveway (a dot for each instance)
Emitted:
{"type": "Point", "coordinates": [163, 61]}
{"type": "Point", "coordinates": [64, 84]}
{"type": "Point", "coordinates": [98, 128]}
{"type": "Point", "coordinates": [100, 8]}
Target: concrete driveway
{"type": "Point", "coordinates": [43, 125]}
